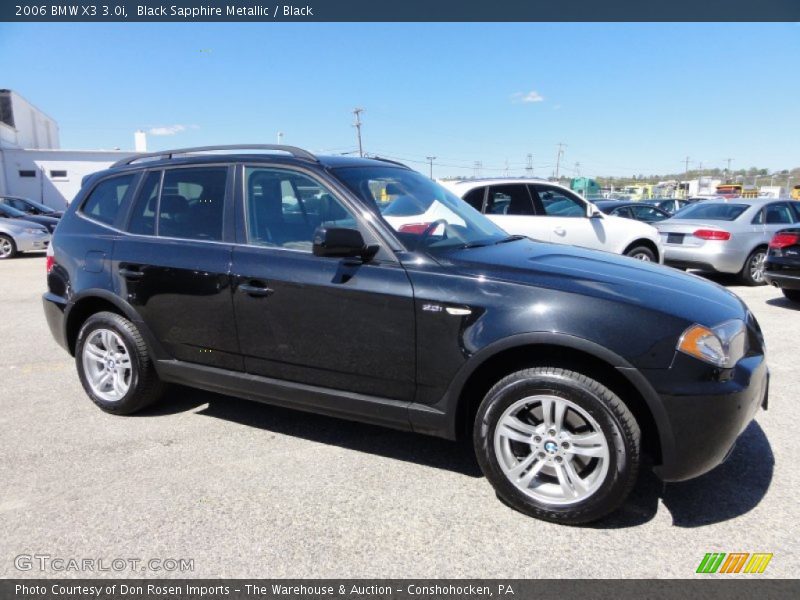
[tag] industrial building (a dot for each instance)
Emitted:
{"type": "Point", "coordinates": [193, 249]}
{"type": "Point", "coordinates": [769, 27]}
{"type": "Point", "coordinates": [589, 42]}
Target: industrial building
{"type": "Point", "coordinates": [32, 163]}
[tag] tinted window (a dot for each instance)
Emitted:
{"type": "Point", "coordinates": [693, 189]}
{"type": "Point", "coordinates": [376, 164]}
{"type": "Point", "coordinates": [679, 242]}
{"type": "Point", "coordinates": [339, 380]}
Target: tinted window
{"type": "Point", "coordinates": [509, 200]}
{"type": "Point", "coordinates": [475, 198]}
{"type": "Point", "coordinates": [284, 208]}
{"type": "Point", "coordinates": [796, 208]}
{"type": "Point", "coordinates": [713, 212]}
{"type": "Point", "coordinates": [647, 213]}
{"type": "Point", "coordinates": [556, 203]}
{"type": "Point", "coordinates": [143, 218]}
{"type": "Point", "coordinates": [776, 214]}
{"type": "Point", "coordinates": [192, 203]}
{"type": "Point", "coordinates": [104, 201]}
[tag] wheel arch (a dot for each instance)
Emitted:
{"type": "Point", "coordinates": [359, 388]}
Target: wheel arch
{"type": "Point", "coordinates": [559, 350]}
{"type": "Point", "coordinates": [648, 243]}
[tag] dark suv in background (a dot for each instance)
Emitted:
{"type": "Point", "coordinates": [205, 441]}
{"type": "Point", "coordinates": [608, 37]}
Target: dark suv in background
{"type": "Point", "coordinates": [361, 289]}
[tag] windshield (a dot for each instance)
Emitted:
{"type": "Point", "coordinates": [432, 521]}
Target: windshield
{"type": "Point", "coordinates": [712, 212]}
{"type": "Point", "coordinates": [8, 211]}
{"type": "Point", "coordinates": [423, 214]}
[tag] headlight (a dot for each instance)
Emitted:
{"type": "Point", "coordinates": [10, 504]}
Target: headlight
{"type": "Point", "coordinates": [35, 230]}
{"type": "Point", "coordinates": [722, 346]}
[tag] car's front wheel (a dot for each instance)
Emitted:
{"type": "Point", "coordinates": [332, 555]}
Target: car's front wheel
{"type": "Point", "coordinates": [642, 253]}
{"type": "Point", "coordinates": [114, 364]}
{"type": "Point", "coordinates": [557, 445]}
{"type": "Point", "coordinates": [753, 271]}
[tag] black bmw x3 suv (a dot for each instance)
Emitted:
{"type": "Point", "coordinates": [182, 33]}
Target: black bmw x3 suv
{"type": "Point", "coordinates": [361, 289]}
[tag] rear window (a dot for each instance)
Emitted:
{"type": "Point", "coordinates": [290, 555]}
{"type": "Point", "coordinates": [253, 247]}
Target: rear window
{"type": "Point", "coordinates": [711, 212]}
{"type": "Point", "coordinates": [104, 201]}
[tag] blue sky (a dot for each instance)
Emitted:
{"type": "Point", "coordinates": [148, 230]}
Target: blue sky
{"type": "Point", "coordinates": [624, 98]}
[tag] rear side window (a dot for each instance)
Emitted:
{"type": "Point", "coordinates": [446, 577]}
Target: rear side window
{"type": "Point", "coordinates": [192, 203]}
{"type": "Point", "coordinates": [778, 214]}
{"type": "Point", "coordinates": [105, 200]}
{"type": "Point", "coordinates": [509, 200]}
{"type": "Point", "coordinates": [143, 219]}
{"type": "Point", "coordinates": [475, 198]}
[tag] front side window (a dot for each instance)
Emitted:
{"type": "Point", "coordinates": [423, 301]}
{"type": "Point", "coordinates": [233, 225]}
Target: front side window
{"type": "Point", "coordinates": [106, 198]}
{"type": "Point", "coordinates": [423, 214]}
{"type": "Point", "coordinates": [284, 208]}
{"type": "Point", "coordinates": [556, 203]}
{"type": "Point", "coordinates": [509, 200]}
{"type": "Point", "coordinates": [192, 203]}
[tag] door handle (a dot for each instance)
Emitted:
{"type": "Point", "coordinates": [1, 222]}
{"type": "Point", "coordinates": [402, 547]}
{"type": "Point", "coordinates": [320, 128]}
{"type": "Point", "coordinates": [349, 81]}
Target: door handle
{"type": "Point", "coordinates": [559, 231]}
{"type": "Point", "coordinates": [255, 290]}
{"type": "Point", "coordinates": [131, 273]}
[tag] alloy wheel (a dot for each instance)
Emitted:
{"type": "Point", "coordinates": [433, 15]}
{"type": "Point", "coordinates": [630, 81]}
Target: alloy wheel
{"type": "Point", "coordinates": [551, 449]}
{"type": "Point", "coordinates": [757, 266]}
{"type": "Point", "coordinates": [107, 365]}
{"type": "Point", "coordinates": [6, 248]}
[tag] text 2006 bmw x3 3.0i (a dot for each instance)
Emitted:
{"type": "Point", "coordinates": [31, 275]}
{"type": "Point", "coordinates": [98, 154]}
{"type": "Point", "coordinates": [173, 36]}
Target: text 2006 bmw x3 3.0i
{"type": "Point", "coordinates": [315, 283]}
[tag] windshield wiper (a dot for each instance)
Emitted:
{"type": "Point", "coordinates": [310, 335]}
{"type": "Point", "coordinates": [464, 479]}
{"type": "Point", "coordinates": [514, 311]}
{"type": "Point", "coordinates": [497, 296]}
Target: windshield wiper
{"type": "Point", "coordinates": [473, 245]}
{"type": "Point", "coordinates": [511, 238]}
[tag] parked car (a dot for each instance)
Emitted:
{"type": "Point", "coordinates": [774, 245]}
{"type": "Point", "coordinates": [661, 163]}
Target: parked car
{"type": "Point", "coordinates": [21, 236]}
{"type": "Point", "coordinates": [726, 236]}
{"type": "Point", "coordinates": [6, 212]}
{"type": "Point", "coordinates": [552, 213]}
{"type": "Point", "coordinates": [562, 364]}
{"type": "Point", "coordinates": [30, 207]}
{"type": "Point", "coordinates": [782, 267]}
{"type": "Point", "coordinates": [632, 210]}
{"type": "Point", "coordinates": [670, 205]}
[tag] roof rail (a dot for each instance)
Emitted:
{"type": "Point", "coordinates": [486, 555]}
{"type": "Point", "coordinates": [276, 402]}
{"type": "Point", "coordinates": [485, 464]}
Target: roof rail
{"type": "Point", "coordinates": [388, 160]}
{"type": "Point", "coordinates": [167, 154]}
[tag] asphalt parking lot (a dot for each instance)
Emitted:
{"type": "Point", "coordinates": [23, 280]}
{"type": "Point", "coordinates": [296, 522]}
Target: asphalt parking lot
{"type": "Point", "coordinates": [250, 490]}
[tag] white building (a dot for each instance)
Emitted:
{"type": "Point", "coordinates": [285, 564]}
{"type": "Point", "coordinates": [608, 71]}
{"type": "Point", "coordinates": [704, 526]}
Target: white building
{"type": "Point", "coordinates": [32, 165]}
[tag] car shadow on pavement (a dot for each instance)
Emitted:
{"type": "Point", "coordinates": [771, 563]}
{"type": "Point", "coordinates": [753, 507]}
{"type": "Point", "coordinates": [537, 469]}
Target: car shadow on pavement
{"type": "Point", "coordinates": [401, 445]}
{"type": "Point", "coordinates": [729, 491]}
{"type": "Point", "coordinates": [732, 489]}
{"type": "Point", "coordinates": [784, 303]}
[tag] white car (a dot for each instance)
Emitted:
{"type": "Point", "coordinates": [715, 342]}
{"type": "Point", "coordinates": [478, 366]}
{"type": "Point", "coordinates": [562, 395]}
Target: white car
{"type": "Point", "coordinates": [552, 213]}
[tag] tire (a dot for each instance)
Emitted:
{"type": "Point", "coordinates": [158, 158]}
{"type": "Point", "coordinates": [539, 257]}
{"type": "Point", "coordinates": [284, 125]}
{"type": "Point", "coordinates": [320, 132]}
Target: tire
{"type": "Point", "coordinates": [107, 342]}
{"type": "Point", "coordinates": [606, 466]}
{"type": "Point", "coordinates": [642, 253]}
{"type": "Point", "coordinates": [8, 247]}
{"type": "Point", "coordinates": [752, 272]}
{"type": "Point", "coordinates": [793, 295]}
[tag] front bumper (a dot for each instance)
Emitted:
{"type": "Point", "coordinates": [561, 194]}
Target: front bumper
{"type": "Point", "coordinates": [32, 242]}
{"type": "Point", "coordinates": [707, 409]}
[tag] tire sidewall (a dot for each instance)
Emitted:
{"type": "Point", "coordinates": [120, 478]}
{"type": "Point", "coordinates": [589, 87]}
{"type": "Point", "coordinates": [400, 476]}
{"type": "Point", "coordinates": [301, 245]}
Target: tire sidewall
{"type": "Point", "coordinates": [14, 250]}
{"type": "Point", "coordinates": [746, 277]}
{"type": "Point", "coordinates": [641, 250]}
{"type": "Point", "coordinates": [112, 322]}
{"type": "Point", "coordinates": [612, 490]}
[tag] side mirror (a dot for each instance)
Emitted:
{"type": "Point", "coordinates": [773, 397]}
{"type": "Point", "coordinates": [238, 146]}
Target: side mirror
{"type": "Point", "coordinates": [593, 212]}
{"type": "Point", "coordinates": [341, 242]}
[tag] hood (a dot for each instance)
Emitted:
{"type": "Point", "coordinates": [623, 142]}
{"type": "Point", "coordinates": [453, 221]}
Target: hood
{"type": "Point", "coordinates": [17, 225]}
{"type": "Point", "coordinates": [601, 275]}
{"type": "Point", "coordinates": [48, 222]}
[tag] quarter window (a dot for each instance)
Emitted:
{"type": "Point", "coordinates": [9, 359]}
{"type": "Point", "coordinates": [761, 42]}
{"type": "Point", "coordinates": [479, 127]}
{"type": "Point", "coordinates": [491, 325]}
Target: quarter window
{"type": "Point", "coordinates": [556, 203]}
{"type": "Point", "coordinates": [104, 201]}
{"type": "Point", "coordinates": [143, 219]}
{"type": "Point", "coordinates": [284, 208]}
{"type": "Point", "coordinates": [192, 203]}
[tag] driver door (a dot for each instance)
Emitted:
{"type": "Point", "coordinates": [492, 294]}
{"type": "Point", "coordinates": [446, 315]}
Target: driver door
{"type": "Point", "coordinates": [564, 215]}
{"type": "Point", "coordinates": [327, 322]}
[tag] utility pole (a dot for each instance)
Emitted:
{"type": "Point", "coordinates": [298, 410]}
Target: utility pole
{"type": "Point", "coordinates": [728, 169]}
{"type": "Point", "coordinates": [430, 160]}
{"type": "Point", "coordinates": [577, 169]}
{"type": "Point", "coordinates": [477, 166]}
{"type": "Point", "coordinates": [505, 169]}
{"type": "Point", "coordinates": [280, 137]}
{"type": "Point", "coordinates": [559, 154]}
{"type": "Point", "coordinates": [529, 166]}
{"type": "Point", "coordinates": [686, 175]}
{"type": "Point", "coordinates": [357, 113]}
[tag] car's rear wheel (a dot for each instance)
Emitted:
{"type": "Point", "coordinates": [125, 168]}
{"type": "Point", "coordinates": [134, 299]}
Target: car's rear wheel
{"type": "Point", "coordinates": [642, 253]}
{"type": "Point", "coordinates": [557, 445]}
{"type": "Point", "coordinates": [114, 365]}
{"type": "Point", "coordinates": [8, 249]}
{"type": "Point", "coordinates": [752, 272]}
{"type": "Point", "coordinates": [793, 295]}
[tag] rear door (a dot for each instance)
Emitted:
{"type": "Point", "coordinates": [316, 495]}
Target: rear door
{"type": "Point", "coordinates": [327, 322]}
{"type": "Point", "coordinates": [173, 267]}
{"type": "Point", "coordinates": [511, 207]}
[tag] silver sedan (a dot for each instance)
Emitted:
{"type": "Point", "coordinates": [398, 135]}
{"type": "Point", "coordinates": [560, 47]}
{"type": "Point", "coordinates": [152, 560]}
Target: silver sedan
{"type": "Point", "coordinates": [21, 236]}
{"type": "Point", "coordinates": [726, 236]}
